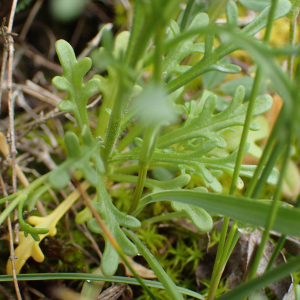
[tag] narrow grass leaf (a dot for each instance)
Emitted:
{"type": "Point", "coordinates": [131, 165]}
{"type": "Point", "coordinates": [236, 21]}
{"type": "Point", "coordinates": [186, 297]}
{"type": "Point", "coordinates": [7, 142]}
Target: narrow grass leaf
{"type": "Point", "coordinates": [240, 208]}
{"type": "Point", "coordinates": [162, 276]}
{"type": "Point", "coordinates": [92, 277]}
{"type": "Point", "coordinates": [252, 286]}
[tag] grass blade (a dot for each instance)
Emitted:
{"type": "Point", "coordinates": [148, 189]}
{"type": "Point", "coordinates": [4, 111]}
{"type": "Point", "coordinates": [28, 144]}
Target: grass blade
{"type": "Point", "coordinates": [85, 276]}
{"type": "Point", "coordinates": [240, 208]}
{"type": "Point", "coordinates": [250, 287]}
{"type": "Point", "coordinates": [162, 276]}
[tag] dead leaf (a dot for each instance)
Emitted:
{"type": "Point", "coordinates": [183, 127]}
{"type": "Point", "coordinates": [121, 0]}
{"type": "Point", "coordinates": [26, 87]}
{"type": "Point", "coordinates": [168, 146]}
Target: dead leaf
{"type": "Point", "coordinates": [64, 293]}
{"type": "Point", "coordinates": [116, 291]}
{"type": "Point", "coordinates": [141, 270]}
{"type": "Point", "coordinates": [240, 261]}
{"type": "Point", "coordinates": [245, 251]}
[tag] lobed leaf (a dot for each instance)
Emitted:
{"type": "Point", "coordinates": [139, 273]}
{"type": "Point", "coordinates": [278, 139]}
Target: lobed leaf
{"type": "Point", "coordinates": [202, 166]}
{"type": "Point", "coordinates": [186, 47]}
{"type": "Point", "coordinates": [256, 5]}
{"type": "Point", "coordinates": [260, 22]}
{"type": "Point", "coordinates": [79, 158]}
{"type": "Point", "coordinates": [71, 81]}
{"type": "Point", "coordinates": [232, 14]}
{"type": "Point", "coordinates": [224, 68]}
{"type": "Point", "coordinates": [199, 217]}
{"type": "Point", "coordinates": [233, 137]}
{"type": "Point", "coordinates": [229, 87]}
{"type": "Point", "coordinates": [208, 125]}
{"type": "Point", "coordinates": [113, 219]}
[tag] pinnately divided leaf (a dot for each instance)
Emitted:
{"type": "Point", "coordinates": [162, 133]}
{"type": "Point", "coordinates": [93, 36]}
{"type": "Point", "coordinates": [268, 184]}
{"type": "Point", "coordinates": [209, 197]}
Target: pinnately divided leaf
{"type": "Point", "coordinates": [71, 81]}
{"type": "Point", "coordinates": [200, 134]}
{"type": "Point", "coordinates": [186, 47]}
{"type": "Point", "coordinates": [79, 158]}
{"type": "Point", "coordinates": [208, 125]}
{"type": "Point", "coordinates": [260, 22]}
{"type": "Point", "coordinates": [113, 219]}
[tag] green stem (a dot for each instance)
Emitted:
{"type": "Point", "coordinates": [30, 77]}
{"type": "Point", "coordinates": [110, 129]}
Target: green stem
{"type": "Point", "coordinates": [115, 120]}
{"type": "Point", "coordinates": [108, 102]}
{"type": "Point", "coordinates": [221, 254]}
{"type": "Point", "coordinates": [82, 118]}
{"type": "Point", "coordinates": [279, 245]}
{"type": "Point", "coordinates": [137, 24]}
{"type": "Point", "coordinates": [292, 34]}
{"type": "Point", "coordinates": [215, 10]}
{"type": "Point", "coordinates": [159, 49]}
{"type": "Point", "coordinates": [111, 238]}
{"type": "Point", "coordinates": [246, 130]}
{"type": "Point", "coordinates": [271, 216]}
{"type": "Point", "coordinates": [198, 69]}
{"type": "Point", "coordinates": [134, 167]}
{"type": "Point", "coordinates": [186, 16]}
{"type": "Point", "coordinates": [274, 275]}
{"type": "Point", "coordinates": [151, 133]}
{"type": "Point", "coordinates": [292, 37]}
{"type": "Point", "coordinates": [217, 270]}
{"type": "Point", "coordinates": [114, 123]}
{"type": "Point", "coordinates": [11, 207]}
{"type": "Point", "coordinates": [275, 252]}
{"type": "Point", "coordinates": [229, 246]}
{"type": "Point", "coordinates": [234, 234]}
{"type": "Point", "coordinates": [130, 136]}
{"type": "Point", "coordinates": [222, 260]}
{"type": "Point", "coordinates": [224, 256]}
{"type": "Point", "coordinates": [275, 203]}
{"type": "Point", "coordinates": [266, 153]}
{"type": "Point", "coordinates": [267, 170]}
{"type": "Point", "coordinates": [162, 276]}
{"type": "Point", "coordinates": [135, 274]}
{"type": "Point", "coordinates": [270, 21]}
{"type": "Point", "coordinates": [234, 240]}
{"type": "Point", "coordinates": [165, 217]}
{"type": "Point", "coordinates": [143, 39]}
{"type": "Point", "coordinates": [139, 189]}
{"type": "Point", "coordinates": [145, 158]}
{"type": "Point", "coordinates": [8, 198]}
{"type": "Point", "coordinates": [20, 196]}
{"type": "Point", "coordinates": [94, 277]}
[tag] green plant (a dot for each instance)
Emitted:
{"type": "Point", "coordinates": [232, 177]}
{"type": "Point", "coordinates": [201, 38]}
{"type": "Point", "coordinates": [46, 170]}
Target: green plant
{"type": "Point", "coordinates": [198, 146]}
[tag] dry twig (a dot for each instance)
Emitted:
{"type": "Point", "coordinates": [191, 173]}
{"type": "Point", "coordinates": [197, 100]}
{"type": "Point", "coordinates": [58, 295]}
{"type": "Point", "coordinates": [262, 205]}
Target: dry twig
{"type": "Point", "coordinates": [36, 7]}
{"type": "Point", "coordinates": [11, 244]}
